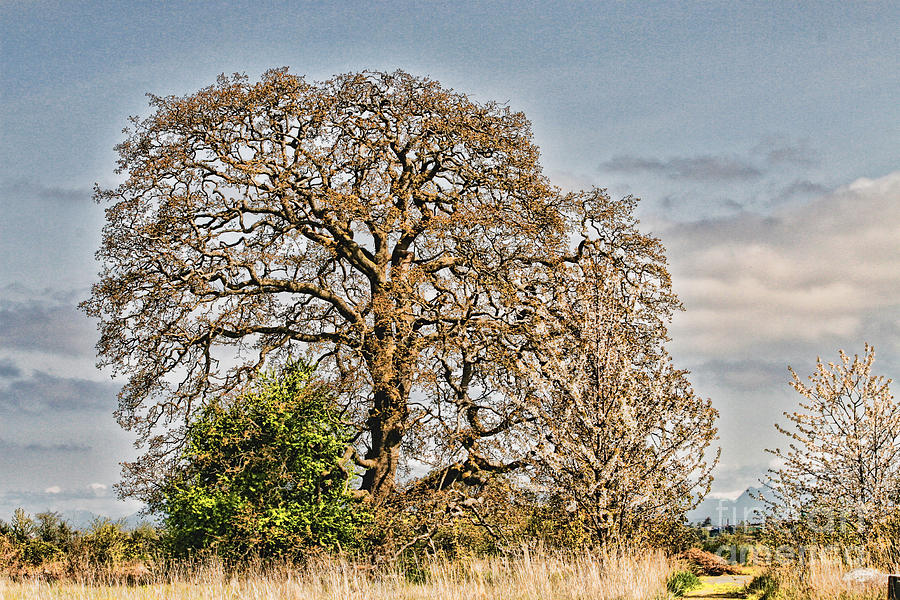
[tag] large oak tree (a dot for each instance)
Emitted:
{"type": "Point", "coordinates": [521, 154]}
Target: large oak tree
{"type": "Point", "coordinates": [399, 230]}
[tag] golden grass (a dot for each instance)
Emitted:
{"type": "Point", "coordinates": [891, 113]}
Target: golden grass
{"type": "Point", "coordinates": [603, 575]}
{"type": "Point", "coordinates": [821, 577]}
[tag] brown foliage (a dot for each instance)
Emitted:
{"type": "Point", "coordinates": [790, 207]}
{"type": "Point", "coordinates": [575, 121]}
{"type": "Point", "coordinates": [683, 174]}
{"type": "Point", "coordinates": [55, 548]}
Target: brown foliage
{"type": "Point", "coordinates": [707, 563]}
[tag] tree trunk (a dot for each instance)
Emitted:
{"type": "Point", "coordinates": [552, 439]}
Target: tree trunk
{"type": "Point", "coordinates": [385, 425]}
{"type": "Point", "coordinates": [388, 367]}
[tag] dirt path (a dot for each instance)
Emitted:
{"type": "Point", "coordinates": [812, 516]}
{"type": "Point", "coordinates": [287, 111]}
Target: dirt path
{"type": "Point", "coordinates": [721, 586]}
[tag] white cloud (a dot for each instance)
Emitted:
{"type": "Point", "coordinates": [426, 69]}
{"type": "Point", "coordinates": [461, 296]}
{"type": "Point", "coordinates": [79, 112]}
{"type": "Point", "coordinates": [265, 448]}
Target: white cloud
{"type": "Point", "coordinates": [765, 292]}
{"type": "Point", "coordinates": [63, 499]}
{"type": "Point", "coordinates": [811, 274]}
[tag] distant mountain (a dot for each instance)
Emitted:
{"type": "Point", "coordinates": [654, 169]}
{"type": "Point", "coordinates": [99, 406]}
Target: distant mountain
{"type": "Point", "coordinates": [723, 512]}
{"type": "Point", "coordinates": [79, 519]}
{"type": "Point", "coordinates": [137, 519]}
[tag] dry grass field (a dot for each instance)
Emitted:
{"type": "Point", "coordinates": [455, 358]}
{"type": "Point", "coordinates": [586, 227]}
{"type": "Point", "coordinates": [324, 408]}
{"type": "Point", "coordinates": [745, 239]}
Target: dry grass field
{"type": "Point", "coordinates": [598, 576]}
{"type": "Point", "coordinates": [822, 578]}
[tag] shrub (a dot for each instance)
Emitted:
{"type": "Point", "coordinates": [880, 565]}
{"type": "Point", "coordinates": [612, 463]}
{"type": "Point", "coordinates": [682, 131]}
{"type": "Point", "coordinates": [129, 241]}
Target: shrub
{"type": "Point", "coordinates": [763, 587]}
{"type": "Point", "coordinates": [52, 529]}
{"type": "Point", "coordinates": [706, 563]}
{"type": "Point", "coordinates": [105, 542]}
{"type": "Point", "coordinates": [143, 542]}
{"type": "Point", "coordinates": [22, 528]}
{"type": "Point", "coordinates": [35, 541]}
{"type": "Point", "coordinates": [47, 547]}
{"type": "Point", "coordinates": [262, 474]}
{"type": "Point", "coordinates": [680, 583]}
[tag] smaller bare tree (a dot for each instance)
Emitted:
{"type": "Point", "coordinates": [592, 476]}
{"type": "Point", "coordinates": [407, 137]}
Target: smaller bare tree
{"type": "Point", "coordinates": [623, 442]}
{"type": "Point", "coordinates": [843, 458]}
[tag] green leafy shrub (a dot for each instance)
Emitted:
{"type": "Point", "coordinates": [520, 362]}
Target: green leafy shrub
{"type": "Point", "coordinates": [263, 475]}
{"type": "Point", "coordinates": [37, 552]}
{"type": "Point", "coordinates": [22, 528]}
{"type": "Point", "coordinates": [52, 529]}
{"type": "Point", "coordinates": [105, 542]}
{"type": "Point", "coordinates": [42, 539]}
{"type": "Point", "coordinates": [143, 542]}
{"type": "Point", "coordinates": [48, 547]}
{"type": "Point", "coordinates": [680, 583]}
{"type": "Point", "coordinates": [763, 587]}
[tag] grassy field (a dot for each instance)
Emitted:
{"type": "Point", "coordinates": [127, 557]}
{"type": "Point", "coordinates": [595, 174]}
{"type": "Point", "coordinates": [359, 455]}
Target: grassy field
{"type": "Point", "coordinates": [822, 578]}
{"type": "Point", "coordinates": [605, 575]}
{"type": "Point", "coordinates": [528, 575]}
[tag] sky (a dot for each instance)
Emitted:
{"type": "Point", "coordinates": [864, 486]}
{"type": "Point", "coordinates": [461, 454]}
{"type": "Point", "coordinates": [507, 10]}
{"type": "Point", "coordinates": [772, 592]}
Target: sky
{"type": "Point", "coordinates": [763, 139]}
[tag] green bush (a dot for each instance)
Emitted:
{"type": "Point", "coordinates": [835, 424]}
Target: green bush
{"type": "Point", "coordinates": [105, 542]}
{"type": "Point", "coordinates": [22, 528]}
{"type": "Point", "coordinates": [763, 587]}
{"type": "Point", "coordinates": [42, 539]}
{"type": "Point", "coordinates": [52, 529]}
{"type": "Point", "coordinates": [30, 545]}
{"type": "Point", "coordinates": [682, 582]}
{"type": "Point", "coordinates": [262, 475]}
{"type": "Point", "coordinates": [143, 542]}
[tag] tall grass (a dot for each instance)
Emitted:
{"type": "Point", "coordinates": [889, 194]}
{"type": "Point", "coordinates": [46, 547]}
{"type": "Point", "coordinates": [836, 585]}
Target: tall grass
{"type": "Point", "coordinates": [820, 576]}
{"type": "Point", "coordinates": [527, 575]}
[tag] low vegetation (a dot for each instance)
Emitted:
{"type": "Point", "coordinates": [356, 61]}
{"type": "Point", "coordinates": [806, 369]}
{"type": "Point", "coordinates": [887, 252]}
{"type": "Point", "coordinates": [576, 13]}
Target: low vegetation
{"type": "Point", "coordinates": [822, 576]}
{"type": "Point", "coordinates": [681, 582]}
{"type": "Point", "coordinates": [700, 562]}
{"type": "Point", "coordinates": [524, 574]}
{"type": "Point", "coordinates": [263, 507]}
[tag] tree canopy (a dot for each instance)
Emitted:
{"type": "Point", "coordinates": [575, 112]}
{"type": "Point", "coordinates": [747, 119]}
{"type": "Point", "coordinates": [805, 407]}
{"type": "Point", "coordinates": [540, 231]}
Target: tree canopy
{"type": "Point", "coordinates": [404, 233]}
